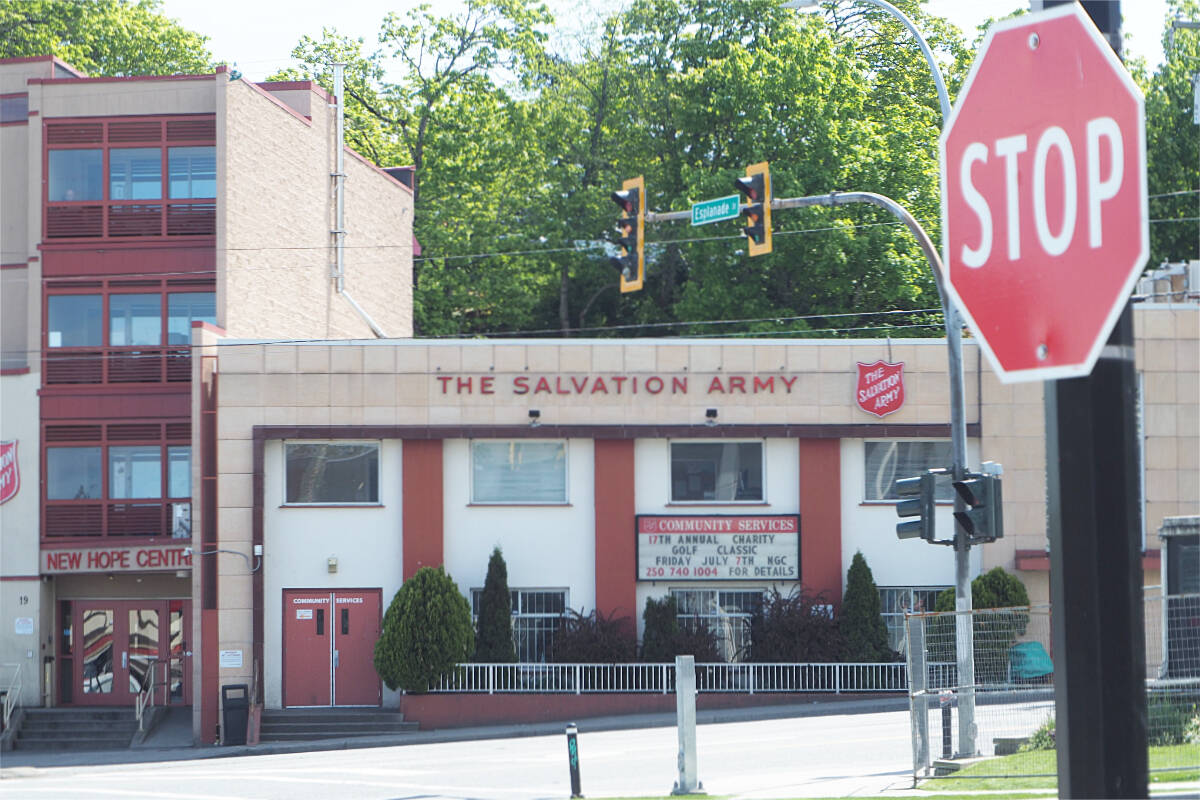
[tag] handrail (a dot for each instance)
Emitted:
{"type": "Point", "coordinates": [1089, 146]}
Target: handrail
{"type": "Point", "coordinates": [145, 698]}
{"type": "Point", "coordinates": [12, 693]}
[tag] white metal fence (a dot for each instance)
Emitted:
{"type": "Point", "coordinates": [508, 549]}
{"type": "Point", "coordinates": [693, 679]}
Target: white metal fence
{"type": "Point", "coordinates": [660, 678]}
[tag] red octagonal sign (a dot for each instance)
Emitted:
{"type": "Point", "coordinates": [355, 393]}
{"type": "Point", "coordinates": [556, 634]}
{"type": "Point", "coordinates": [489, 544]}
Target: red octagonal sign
{"type": "Point", "coordinates": [1044, 215]}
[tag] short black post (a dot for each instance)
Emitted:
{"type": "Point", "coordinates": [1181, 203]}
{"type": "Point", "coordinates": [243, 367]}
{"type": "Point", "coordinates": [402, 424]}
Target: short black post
{"type": "Point", "coordinates": [573, 759]}
{"type": "Point", "coordinates": [947, 727]}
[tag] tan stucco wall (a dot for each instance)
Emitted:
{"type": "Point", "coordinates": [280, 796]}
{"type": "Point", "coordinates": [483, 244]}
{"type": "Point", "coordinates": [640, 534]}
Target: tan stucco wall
{"type": "Point", "coordinates": [275, 211]}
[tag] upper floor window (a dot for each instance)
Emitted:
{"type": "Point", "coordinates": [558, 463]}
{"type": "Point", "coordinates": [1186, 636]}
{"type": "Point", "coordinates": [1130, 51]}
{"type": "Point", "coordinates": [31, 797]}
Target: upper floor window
{"type": "Point", "coordinates": [192, 171]}
{"type": "Point", "coordinates": [73, 473]}
{"type": "Point", "coordinates": [74, 320]}
{"type": "Point", "coordinates": [886, 462]}
{"type": "Point", "coordinates": [76, 175]}
{"type": "Point", "coordinates": [716, 472]}
{"type": "Point", "coordinates": [184, 308]}
{"type": "Point", "coordinates": [134, 173]}
{"type": "Point", "coordinates": [14, 108]}
{"type": "Point", "coordinates": [134, 319]}
{"type": "Point", "coordinates": [518, 471]}
{"type": "Point", "coordinates": [332, 472]}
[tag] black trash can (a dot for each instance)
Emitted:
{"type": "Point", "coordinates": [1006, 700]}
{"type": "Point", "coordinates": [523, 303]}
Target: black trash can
{"type": "Point", "coordinates": [235, 712]}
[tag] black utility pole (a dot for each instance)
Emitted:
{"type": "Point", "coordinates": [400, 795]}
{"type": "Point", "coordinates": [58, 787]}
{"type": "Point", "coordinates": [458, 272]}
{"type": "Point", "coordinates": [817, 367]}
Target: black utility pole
{"type": "Point", "coordinates": [1095, 555]}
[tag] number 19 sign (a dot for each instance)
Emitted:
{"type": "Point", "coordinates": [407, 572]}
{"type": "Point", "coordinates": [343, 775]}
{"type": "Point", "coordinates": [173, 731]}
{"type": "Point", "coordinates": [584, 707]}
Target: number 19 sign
{"type": "Point", "coordinates": [1044, 205]}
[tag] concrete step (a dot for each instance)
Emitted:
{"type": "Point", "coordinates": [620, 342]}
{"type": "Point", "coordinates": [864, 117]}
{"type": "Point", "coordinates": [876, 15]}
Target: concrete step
{"type": "Point", "coordinates": [290, 725]}
{"type": "Point", "coordinates": [76, 729]}
{"type": "Point", "coordinates": [344, 728]}
{"type": "Point", "coordinates": [39, 724]}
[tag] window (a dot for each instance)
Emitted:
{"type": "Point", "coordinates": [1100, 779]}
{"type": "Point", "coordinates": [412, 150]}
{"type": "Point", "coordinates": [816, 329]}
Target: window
{"type": "Point", "coordinates": [14, 108]}
{"type": "Point", "coordinates": [536, 614]}
{"type": "Point", "coordinates": [895, 600]}
{"type": "Point", "coordinates": [75, 175]}
{"type": "Point", "coordinates": [192, 171]}
{"type": "Point", "coordinates": [135, 472]}
{"type": "Point", "coordinates": [726, 613]}
{"type": "Point", "coordinates": [179, 471]}
{"type": "Point", "coordinates": [720, 472]}
{"type": "Point", "coordinates": [518, 472]}
{"type": "Point", "coordinates": [74, 320]}
{"type": "Point", "coordinates": [329, 472]}
{"type": "Point", "coordinates": [888, 461]}
{"type": "Point", "coordinates": [135, 173]}
{"type": "Point", "coordinates": [73, 473]}
{"type": "Point", "coordinates": [184, 308]}
{"type": "Point", "coordinates": [134, 319]}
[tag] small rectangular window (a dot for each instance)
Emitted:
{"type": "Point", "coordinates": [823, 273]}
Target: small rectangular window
{"type": "Point", "coordinates": [192, 171]}
{"type": "Point", "coordinates": [134, 319]}
{"type": "Point", "coordinates": [332, 472]}
{"type": "Point", "coordinates": [135, 173]}
{"type": "Point", "coordinates": [518, 472]}
{"type": "Point", "coordinates": [179, 471]}
{"type": "Point", "coordinates": [886, 462]}
{"type": "Point", "coordinates": [74, 320]}
{"type": "Point", "coordinates": [184, 308]}
{"type": "Point", "coordinates": [75, 175]}
{"type": "Point", "coordinates": [536, 615]}
{"type": "Point", "coordinates": [73, 473]}
{"type": "Point", "coordinates": [727, 614]}
{"type": "Point", "coordinates": [134, 472]}
{"type": "Point", "coordinates": [716, 472]}
{"type": "Point", "coordinates": [14, 108]}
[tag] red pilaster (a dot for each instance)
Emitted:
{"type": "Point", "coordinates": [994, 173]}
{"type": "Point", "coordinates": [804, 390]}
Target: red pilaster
{"type": "Point", "coordinates": [422, 517]}
{"type": "Point", "coordinates": [821, 517]}
{"type": "Point", "coordinates": [616, 541]}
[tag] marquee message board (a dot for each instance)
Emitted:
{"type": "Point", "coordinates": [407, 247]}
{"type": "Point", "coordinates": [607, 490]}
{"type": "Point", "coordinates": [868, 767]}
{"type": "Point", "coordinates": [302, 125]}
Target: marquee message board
{"type": "Point", "coordinates": [716, 548]}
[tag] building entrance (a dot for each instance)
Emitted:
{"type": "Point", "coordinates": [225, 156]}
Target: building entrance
{"type": "Point", "coordinates": [329, 647]}
{"type": "Point", "coordinates": [110, 650]}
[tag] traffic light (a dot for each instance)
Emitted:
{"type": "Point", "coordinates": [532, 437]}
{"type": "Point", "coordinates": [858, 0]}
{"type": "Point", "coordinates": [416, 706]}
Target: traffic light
{"type": "Point", "coordinates": [917, 500]}
{"type": "Point", "coordinates": [757, 188]}
{"type": "Point", "coordinates": [632, 224]}
{"type": "Point", "coordinates": [983, 521]}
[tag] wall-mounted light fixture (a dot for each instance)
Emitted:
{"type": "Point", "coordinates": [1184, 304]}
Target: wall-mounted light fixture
{"type": "Point", "coordinates": [331, 563]}
{"type": "Point", "coordinates": [710, 416]}
{"type": "Point", "coordinates": [535, 417]}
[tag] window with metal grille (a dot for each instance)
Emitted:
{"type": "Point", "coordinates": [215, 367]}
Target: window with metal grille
{"type": "Point", "coordinates": [895, 600]}
{"type": "Point", "coordinates": [886, 462]}
{"type": "Point", "coordinates": [536, 614]}
{"type": "Point", "coordinates": [726, 613]}
{"type": "Point", "coordinates": [716, 472]}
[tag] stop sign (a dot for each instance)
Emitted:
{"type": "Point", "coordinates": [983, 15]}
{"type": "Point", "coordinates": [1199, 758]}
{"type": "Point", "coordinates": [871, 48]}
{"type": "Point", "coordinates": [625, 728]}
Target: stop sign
{"type": "Point", "coordinates": [1044, 215]}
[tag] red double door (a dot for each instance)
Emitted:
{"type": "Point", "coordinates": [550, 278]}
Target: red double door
{"type": "Point", "coordinates": [329, 647]}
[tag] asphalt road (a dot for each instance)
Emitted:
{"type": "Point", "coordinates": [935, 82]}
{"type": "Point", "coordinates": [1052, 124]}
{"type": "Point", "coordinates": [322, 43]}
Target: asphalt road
{"type": "Point", "coordinates": [808, 756]}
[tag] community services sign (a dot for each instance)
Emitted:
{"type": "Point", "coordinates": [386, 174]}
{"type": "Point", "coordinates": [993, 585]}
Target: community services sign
{"type": "Point", "coordinates": [718, 548]}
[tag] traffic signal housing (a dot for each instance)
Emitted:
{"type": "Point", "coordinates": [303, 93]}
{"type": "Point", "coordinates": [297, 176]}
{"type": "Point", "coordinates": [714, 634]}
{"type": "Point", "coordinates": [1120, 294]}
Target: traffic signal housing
{"type": "Point", "coordinates": [756, 186]}
{"type": "Point", "coordinates": [631, 264]}
{"type": "Point", "coordinates": [983, 519]}
{"type": "Point", "coordinates": [917, 501]}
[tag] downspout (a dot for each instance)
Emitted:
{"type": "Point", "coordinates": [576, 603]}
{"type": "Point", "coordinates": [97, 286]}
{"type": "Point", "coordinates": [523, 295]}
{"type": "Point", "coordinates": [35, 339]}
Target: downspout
{"type": "Point", "coordinates": [339, 190]}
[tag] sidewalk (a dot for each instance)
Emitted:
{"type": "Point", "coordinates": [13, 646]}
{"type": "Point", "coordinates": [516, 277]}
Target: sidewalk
{"type": "Point", "coordinates": [171, 740]}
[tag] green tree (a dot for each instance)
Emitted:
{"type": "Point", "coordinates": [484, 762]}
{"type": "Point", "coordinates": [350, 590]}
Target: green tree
{"type": "Point", "coordinates": [102, 37]}
{"type": "Point", "coordinates": [793, 628]}
{"type": "Point", "coordinates": [494, 641]}
{"type": "Point", "coordinates": [426, 631]}
{"type": "Point", "coordinates": [993, 634]}
{"type": "Point", "coordinates": [861, 618]}
{"type": "Point", "coordinates": [663, 638]}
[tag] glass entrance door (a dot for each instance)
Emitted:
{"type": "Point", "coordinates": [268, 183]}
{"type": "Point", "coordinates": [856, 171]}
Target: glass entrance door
{"type": "Point", "coordinates": [110, 649]}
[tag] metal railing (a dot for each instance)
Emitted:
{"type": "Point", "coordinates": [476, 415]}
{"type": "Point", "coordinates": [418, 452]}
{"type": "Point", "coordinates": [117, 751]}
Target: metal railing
{"type": "Point", "coordinates": [12, 691]}
{"type": "Point", "coordinates": [145, 698]}
{"type": "Point", "coordinates": [660, 678]}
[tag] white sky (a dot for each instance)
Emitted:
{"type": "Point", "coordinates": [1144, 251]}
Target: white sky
{"type": "Point", "coordinates": [258, 35]}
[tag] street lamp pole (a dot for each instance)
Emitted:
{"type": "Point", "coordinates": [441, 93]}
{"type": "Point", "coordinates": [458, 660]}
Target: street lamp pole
{"type": "Point", "coordinates": [958, 430]}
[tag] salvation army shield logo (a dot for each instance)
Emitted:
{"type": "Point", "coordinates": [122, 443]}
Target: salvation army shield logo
{"type": "Point", "coordinates": [10, 473]}
{"type": "Point", "coordinates": [880, 388]}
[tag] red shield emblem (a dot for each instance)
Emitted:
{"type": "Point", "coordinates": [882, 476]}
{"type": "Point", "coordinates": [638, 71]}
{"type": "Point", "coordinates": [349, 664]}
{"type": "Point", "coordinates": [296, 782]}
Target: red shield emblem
{"type": "Point", "coordinates": [10, 473]}
{"type": "Point", "coordinates": [880, 388]}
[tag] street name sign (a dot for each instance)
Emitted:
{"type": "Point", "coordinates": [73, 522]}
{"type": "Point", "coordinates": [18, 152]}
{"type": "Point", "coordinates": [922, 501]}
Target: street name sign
{"type": "Point", "coordinates": [1045, 225]}
{"type": "Point", "coordinates": [721, 208]}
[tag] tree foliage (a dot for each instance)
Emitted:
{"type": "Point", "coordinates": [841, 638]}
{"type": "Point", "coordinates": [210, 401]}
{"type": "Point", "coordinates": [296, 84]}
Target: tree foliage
{"type": "Point", "coordinates": [794, 627]}
{"type": "Point", "coordinates": [102, 37]}
{"type": "Point", "coordinates": [663, 637]}
{"type": "Point", "coordinates": [861, 617]}
{"type": "Point", "coordinates": [494, 640]}
{"type": "Point", "coordinates": [426, 631]}
{"type": "Point", "coordinates": [594, 638]}
{"type": "Point", "coordinates": [993, 634]}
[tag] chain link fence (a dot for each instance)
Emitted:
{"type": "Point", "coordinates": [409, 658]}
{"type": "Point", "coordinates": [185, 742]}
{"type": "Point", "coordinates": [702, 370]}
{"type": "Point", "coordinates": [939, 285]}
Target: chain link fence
{"type": "Point", "coordinates": [1011, 696]}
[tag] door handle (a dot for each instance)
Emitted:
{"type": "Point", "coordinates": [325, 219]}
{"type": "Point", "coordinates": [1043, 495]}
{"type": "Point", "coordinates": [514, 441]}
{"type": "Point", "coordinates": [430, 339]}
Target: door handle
{"type": "Point", "coordinates": [335, 658]}
{"type": "Point", "coordinates": [124, 659]}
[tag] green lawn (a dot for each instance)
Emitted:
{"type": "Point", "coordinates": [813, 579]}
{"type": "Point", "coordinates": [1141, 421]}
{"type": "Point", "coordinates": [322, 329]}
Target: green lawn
{"type": "Point", "coordinates": [1179, 762]}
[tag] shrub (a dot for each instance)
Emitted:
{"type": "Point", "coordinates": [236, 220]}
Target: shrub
{"type": "Point", "coordinates": [994, 634]}
{"type": "Point", "coordinates": [594, 638]}
{"type": "Point", "coordinates": [426, 631]}
{"type": "Point", "coordinates": [1042, 738]}
{"type": "Point", "coordinates": [494, 640]}
{"type": "Point", "coordinates": [1167, 721]}
{"type": "Point", "coordinates": [861, 617]}
{"type": "Point", "coordinates": [663, 638]}
{"type": "Point", "coordinates": [795, 627]}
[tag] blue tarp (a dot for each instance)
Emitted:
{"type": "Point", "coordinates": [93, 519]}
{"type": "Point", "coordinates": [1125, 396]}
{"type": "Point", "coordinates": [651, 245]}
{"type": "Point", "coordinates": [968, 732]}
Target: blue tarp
{"type": "Point", "coordinates": [1029, 660]}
